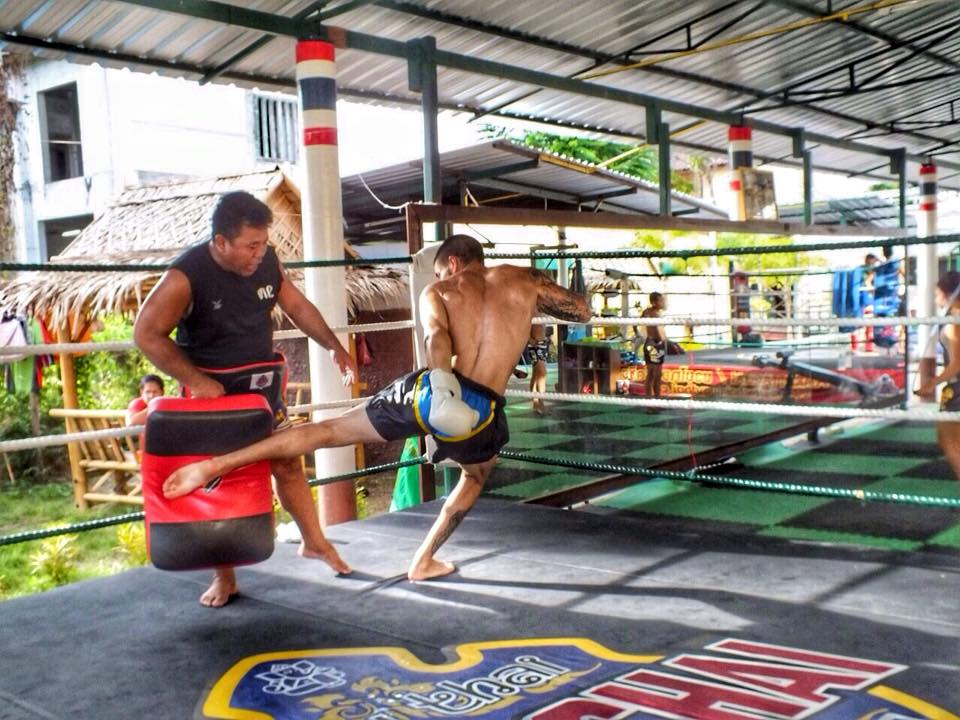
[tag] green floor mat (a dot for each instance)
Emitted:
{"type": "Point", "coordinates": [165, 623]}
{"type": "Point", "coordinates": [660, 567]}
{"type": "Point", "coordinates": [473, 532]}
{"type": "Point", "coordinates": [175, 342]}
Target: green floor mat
{"type": "Point", "coordinates": [825, 461]}
{"type": "Point", "coordinates": [825, 536]}
{"type": "Point", "coordinates": [739, 506]}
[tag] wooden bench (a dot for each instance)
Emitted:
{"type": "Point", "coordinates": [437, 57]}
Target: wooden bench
{"type": "Point", "coordinates": [104, 470]}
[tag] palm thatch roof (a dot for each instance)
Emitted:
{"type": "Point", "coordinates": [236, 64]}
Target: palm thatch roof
{"type": "Point", "coordinates": [154, 224]}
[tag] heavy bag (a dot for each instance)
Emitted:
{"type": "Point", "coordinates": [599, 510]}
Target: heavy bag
{"type": "Point", "coordinates": [228, 522]}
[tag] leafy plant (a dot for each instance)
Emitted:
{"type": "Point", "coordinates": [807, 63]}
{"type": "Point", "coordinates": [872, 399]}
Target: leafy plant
{"type": "Point", "coordinates": [111, 379]}
{"type": "Point", "coordinates": [132, 544]}
{"type": "Point", "coordinates": [54, 561]}
{"type": "Point", "coordinates": [639, 161]}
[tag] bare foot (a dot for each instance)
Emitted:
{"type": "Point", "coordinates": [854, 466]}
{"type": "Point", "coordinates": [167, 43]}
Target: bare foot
{"type": "Point", "coordinates": [427, 569]}
{"type": "Point", "coordinates": [187, 479]}
{"type": "Point", "coordinates": [221, 590]}
{"type": "Point", "coordinates": [328, 554]}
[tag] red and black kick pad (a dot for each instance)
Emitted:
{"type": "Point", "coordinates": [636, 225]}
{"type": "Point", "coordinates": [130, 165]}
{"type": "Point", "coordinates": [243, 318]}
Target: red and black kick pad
{"type": "Point", "coordinates": [228, 522]}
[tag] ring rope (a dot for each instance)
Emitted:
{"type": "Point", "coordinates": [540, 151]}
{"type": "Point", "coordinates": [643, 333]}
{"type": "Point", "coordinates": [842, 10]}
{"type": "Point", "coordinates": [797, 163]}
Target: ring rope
{"type": "Point", "coordinates": [691, 476]}
{"type": "Point", "coordinates": [584, 254]}
{"type": "Point", "coordinates": [28, 535]}
{"type": "Point", "coordinates": [330, 404]}
{"type": "Point", "coordinates": [829, 411]}
{"type": "Point", "coordinates": [126, 345]}
{"type": "Point", "coordinates": [719, 252]}
{"type": "Point", "coordinates": [44, 441]}
{"type": "Point", "coordinates": [160, 267]}
{"type": "Point", "coordinates": [756, 322]}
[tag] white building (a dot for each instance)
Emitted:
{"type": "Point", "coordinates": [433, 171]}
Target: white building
{"type": "Point", "coordinates": [85, 132]}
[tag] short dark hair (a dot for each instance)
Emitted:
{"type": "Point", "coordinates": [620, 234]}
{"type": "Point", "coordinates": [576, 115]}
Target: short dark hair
{"type": "Point", "coordinates": [870, 258]}
{"type": "Point", "coordinates": [655, 296]}
{"type": "Point", "coordinates": [949, 282]}
{"type": "Point", "coordinates": [150, 378]}
{"type": "Point", "coordinates": [236, 209]}
{"type": "Point", "coordinates": [462, 247]}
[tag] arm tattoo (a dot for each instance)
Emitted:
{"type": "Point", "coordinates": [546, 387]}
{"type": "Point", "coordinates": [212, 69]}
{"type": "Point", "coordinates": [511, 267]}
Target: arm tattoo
{"type": "Point", "coordinates": [559, 302]}
{"type": "Point", "coordinates": [564, 308]}
{"type": "Point", "coordinates": [455, 520]}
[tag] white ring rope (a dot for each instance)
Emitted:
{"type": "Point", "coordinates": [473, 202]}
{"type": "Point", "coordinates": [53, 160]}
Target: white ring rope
{"type": "Point", "coordinates": [125, 345]}
{"type": "Point", "coordinates": [122, 346]}
{"type": "Point", "coordinates": [830, 411]}
{"type": "Point", "coordinates": [756, 322]}
{"type": "Point", "coordinates": [43, 441]}
{"type": "Point", "coordinates": [303, 409]}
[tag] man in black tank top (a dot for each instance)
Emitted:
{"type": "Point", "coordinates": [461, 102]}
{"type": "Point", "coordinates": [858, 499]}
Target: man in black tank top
{"type": "Point", "coordinates": [219, 296]}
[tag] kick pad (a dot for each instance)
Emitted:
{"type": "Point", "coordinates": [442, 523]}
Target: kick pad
{"type": "Point", "coordinates": [229, 522]}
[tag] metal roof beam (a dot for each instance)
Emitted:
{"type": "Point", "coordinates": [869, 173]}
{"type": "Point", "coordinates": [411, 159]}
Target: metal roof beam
{"type": "Point", "coordinates": [604, 92]}
{"type": "Point", "coordinates": [227, 14]}
{"type": "Point", "coordinates": [531, 190]}
{"type": "Point", "coordinates": [472, 175]}
{"type": "Point", "coordinates": [856, 26]}
{"type": "Point", "coordinates": [609, 194]}
{"type": "Point", "coordinates": [834, 93]}
{"type": "Point", "coordinates": [343, 8]}
{"type": "Point", "coordinates": [601, 58]}
{"type": "Point", "coordinates": [257, 44]}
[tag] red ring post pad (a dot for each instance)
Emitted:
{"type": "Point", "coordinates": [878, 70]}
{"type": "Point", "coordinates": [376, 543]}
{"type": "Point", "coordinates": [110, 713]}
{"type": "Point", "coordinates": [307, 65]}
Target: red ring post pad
{"type": "Point", "coordinates": [230, 522]}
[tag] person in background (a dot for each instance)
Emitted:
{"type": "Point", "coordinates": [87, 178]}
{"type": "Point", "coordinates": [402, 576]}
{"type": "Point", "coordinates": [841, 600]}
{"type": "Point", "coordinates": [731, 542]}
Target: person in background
{"type": "Point", "coordinates": [654, 347]}
{"type": "Point", "coordinates": [151, 386]}
{"type": "Point", "coordinates": [948, 433]}
{"type": "Point", "coordinates": [538, 347]}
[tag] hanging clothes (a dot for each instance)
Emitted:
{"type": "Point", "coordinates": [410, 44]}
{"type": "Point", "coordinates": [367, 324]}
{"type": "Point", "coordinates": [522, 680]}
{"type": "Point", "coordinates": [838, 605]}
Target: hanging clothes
{"type": "Point", "coordinates": [847, 295]}
{"type": "Point", "coordinates": [18, 373]}
{"type": "Point", "coordinates": [886, 301]}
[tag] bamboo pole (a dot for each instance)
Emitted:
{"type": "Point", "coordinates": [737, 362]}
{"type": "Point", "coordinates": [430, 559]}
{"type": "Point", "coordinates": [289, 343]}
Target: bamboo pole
{"type": "Point", "coordinates": [68, 379]}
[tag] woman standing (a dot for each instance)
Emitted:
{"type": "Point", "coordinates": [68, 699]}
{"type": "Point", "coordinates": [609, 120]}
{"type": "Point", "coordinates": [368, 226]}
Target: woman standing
{"type": "Point", "coordinates": [948, 433]}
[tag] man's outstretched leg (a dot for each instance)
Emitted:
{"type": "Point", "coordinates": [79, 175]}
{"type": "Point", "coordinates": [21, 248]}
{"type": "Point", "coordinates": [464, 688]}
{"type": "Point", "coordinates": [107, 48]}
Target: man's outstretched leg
{"type": "Point", "coordinates": [424, 566]}
{"type": "Point", "coordinates": [351, 427]}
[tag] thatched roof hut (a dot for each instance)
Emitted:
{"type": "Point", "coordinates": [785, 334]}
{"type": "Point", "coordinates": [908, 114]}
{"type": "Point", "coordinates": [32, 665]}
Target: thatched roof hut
{"type": "Point", "coordinates": [154, 224]}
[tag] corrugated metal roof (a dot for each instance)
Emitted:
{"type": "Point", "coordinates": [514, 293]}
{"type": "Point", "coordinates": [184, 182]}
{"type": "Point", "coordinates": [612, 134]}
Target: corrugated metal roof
{"type": "Point", "coordinates": [880, 209]}
{"type": "Point", "coordinates": [765, 53]}
{"type": "Point", "coordinates": [504, 174]}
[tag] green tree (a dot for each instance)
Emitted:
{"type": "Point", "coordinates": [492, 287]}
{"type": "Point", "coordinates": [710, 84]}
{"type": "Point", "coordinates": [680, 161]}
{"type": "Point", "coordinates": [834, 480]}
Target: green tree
{"type": "Point", "coordinates": [111, 379]}
{"type": "Point", "coordinates": [638, 161]}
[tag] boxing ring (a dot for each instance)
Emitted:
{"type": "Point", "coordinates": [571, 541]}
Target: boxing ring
{"type": "Point", "coordinates": [535, 586]}
{"type": "Point", "coordinates": [759, 586]}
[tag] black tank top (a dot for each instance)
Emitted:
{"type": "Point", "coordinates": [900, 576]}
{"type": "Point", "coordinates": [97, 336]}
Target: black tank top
{"type": "Point", "coordinates": [229, 322]}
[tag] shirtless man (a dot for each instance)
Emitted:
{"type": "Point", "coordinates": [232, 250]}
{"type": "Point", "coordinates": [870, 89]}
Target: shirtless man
{"type": "Point", "coordinates": [220, 296]}
{"type": "Point", "coordinates": [476, 322]}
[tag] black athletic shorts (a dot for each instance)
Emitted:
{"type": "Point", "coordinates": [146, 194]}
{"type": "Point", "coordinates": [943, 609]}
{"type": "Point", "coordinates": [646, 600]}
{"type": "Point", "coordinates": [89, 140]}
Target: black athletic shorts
{"type": "Point", "coordinates": [950, 396]}
{"type": "Point", "coordinates": [536, 352]}
{"type": "Point", "coordinates": [654, 351]}
{"type": "Point", "coordinates": [268, 378]}
{"type": "Point", "coordinates": [402, 410]}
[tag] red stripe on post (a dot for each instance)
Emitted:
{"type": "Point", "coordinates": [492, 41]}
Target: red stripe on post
{"type": "Point", "coordinates": [928, 206]}
{"type": "Point", "coordinates": [320, 136]}
{"type": "Point", "coordinates": [314, 50]}
{"type": "Point", "coordinates": [928, 169]}
{"type": "Point", "coordinates": [735, 185]}
{"type": "Point", "coordinates": [739, 132]}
